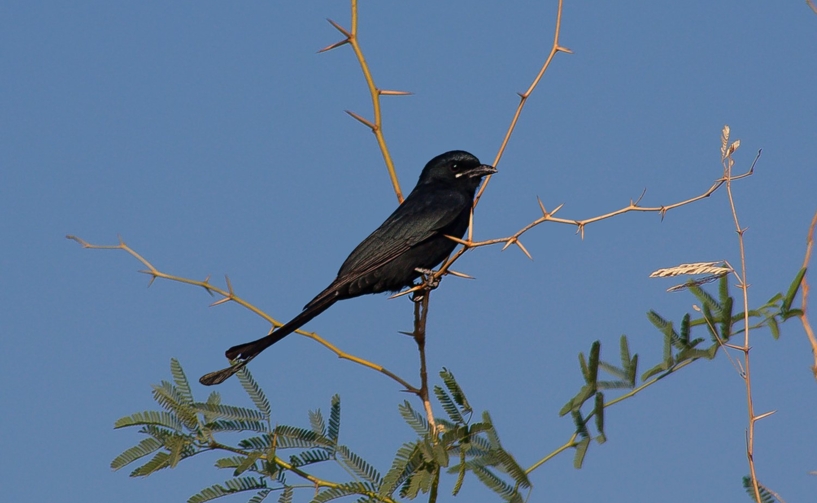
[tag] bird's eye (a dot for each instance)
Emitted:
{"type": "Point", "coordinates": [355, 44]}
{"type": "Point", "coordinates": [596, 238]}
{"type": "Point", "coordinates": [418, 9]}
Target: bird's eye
{"type": "Point", "coordinates": [455, 167]}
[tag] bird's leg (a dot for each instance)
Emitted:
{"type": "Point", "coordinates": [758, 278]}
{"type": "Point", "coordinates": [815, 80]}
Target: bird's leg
{"type": "Point", "coordinates": [429, 283]}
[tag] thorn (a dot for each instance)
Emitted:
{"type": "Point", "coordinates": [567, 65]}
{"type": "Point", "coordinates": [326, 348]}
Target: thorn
{"type": "Point", "coordinates": [521, 247]}
{"type": "Point", "coordinates": [121, 241]}
{"type": "Point", "coordinates": [229, 285]}
{"type": "Point", "coordinates": [471, 225]}
{"type": "Point", "coordinates": [221, 301]}
{"type": "Point", "coordinates": [340, 28]}
{"type": "Point", "coordinates": [662, 212]}
{"type": "Point", "coordinates": [508, 243]}
{"type": "Point", "coordinates": [580, 229]}
{"type": "Point", "coordinates": [542, 206]}
{"type": "Point", "coordinates": [762, 416]}
{"type": "Point", "coordinates": [410, 334]}
{"type": "Point", "coordinates": [362, 120]}
{"type": "Point", "coordinates": [459, 274]}
{"type": "Point", "coordinates": [406, 292]}
{"type": "Point", "coordinates": [557, 209]}
{"type": "Point", "coordinates": [458, 240]}
{"type": "Point", "coordinates": [206, 285]}
{"type": "Point", "coordinates": [639, 198]}
{"type": "Point", "coordinates": [333, 46]}
{"type": "Point", "coordinates": [559, 48]}
{"type": "Point", "coordinates": [521, 95]}
{"type": "Point", "coordinates": [152, 279]}
{"type": "Point", "coordinates": [385, 92]}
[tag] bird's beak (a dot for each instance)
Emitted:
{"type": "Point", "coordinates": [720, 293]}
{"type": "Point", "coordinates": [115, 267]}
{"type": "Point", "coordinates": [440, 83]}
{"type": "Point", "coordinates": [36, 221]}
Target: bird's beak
{"type": "Point", "coordinates": [479, 171]}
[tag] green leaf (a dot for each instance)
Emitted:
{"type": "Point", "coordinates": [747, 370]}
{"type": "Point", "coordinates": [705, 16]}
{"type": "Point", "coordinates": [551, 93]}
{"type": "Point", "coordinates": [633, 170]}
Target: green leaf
{"type": "Point", "coordinates": [286, 496]}
{"type": "Point", "coordinates": [247, 463]}
{"type": "Point", "coordinates": [232, 486]}
{"type": "Point", "coordinates": [317, 423]}
{"type": "Point", "coordinates": [599, 409]}
{"type": "Point", "coordinates": [455, 390]}
{"type": "Point", "coordinates": [146, 446]}
{"type": "Point", "coordinates": [581, 450]}
{"type": "Point", "coordinates": [685, 330]}
{"type": "Point", "coordinates": [593, 363]}
{"type": "Point", "coordinates": [347, 489]}
{"type": "Point", "coordinates": [613, 385]}
{"type": "Point", "coordinates": [448, 405]}
{"type": "Point", "coordinates": [582, 396]}
{"type": "Point", "coordinates": [774, 327]}
{"type": "Point", "coordinates": [406, 461]}
{"type": "Point", "coordinates": [230, 462]}
{"type": "Point", "coordinates": [213, 399]}
{"type": "Point", "coordinates": [171, 400]}
{"type": "Point", "coordinates": [726, 320]}
{"type": "Point", "coordinates": [156, 418]}
{"type": "Point", "coordinates": [632, 371]}
{"type": "Point", "coordinates": [792, 291]}
{"type": "Point", "coordinates": [261, 443]}
{"type": "Point", "coordinates": [413, 418]}
{"type": "Point", "coordinates": [420, 480]}
{"type": "Point", "coordinates": [182, 384]}
{"type": "Point", "coordinates": [624, 349]}
{"type": "Point", "coordinates": [706, 299]}
{"type": "Point", "coordinates": [254, 391]}
{"type": "Point", "coordinates": [765, 495]}
{"type": "Point", "coordinates": [496, 484]}
{"type": "Point", "coordinates": [262, 495]}
{"type": "Point", "coordinates": [334, 419]}
{"type": "Point", "coordinates": [359, 466]}
{"type": "Point", "coordinates": [661, 367]}
{"type": "Point", "coordinates": [309, 457]}
{"type": "Point", "coordinates": [583, 367]}
{"type": "Point", "coordinates": [581, 424]}
{"type": "Point", "coordinates": [238, 425]}
{"type": "Point", "coordinates": [659, 322]}
{"type": "Point", "coordinates": [613, 370]}
{"type": "Point", "coordinates": [723, 290]}
{"type": "Point", "coordinates": [156, 463]}
{"type": "Point", "coordinates": [229, 411]}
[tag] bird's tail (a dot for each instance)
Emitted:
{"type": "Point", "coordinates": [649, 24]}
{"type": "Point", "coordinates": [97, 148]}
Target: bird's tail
{"type": "Point", "coordinates": [243, 353]}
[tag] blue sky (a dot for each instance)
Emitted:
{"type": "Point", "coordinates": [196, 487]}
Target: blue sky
{"type": "Point", "coordinates": [213, 138]}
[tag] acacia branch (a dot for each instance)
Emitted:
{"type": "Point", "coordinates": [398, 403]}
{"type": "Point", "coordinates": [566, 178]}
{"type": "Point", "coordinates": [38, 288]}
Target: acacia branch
{"type": "Point", "coordinates": [804, 317]}
{"type": "Point", "coordinates": [523, 98]}
{"type": "Point", "coordinates": [376, 126]}
{"type": "Point", "coordinates": [230, 296]}
{"type": "Point", "coordinates": [728, 163]}
{"type": "Point", "coordinates": [419, 334]}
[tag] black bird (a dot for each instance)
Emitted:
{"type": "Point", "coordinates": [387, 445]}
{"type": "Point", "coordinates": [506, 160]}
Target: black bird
{"type": "Point", "coordinates": [411, 240]}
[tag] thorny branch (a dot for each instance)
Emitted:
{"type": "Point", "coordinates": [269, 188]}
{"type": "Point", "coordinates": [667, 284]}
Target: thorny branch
{"type": "Point", "coordinates": [548, 216]}
{"type": "Point", "coordinates": [374, 91]}
{"type": "Point", "coordinates": [230, 296]}
{"type": "Point", "coordinates": [728, 163]}
{"type": "Point", "coordinates": [805, 286]}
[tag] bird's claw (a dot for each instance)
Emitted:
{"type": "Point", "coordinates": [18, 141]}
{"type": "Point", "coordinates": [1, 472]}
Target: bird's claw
{"type": "Point", "coordinates": [430, 282]}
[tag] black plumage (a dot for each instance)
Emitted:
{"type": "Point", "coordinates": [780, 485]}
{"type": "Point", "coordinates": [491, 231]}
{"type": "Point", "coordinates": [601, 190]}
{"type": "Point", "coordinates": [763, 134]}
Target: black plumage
{"type": "Point", "coordinates": [410, 240]}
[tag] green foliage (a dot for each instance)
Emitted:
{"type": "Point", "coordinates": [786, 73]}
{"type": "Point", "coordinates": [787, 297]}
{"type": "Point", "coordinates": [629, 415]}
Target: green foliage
{"type": "Point", "coordinates": [231, 486]}
{"type": "Point", "coordinates": [765, 495]}
{"type": "Point", "coordinates": [679, 350]}
{"type": "Point", "coordinates": [186, 428]}
{"type": "Point", "coordinates": [459, 445]}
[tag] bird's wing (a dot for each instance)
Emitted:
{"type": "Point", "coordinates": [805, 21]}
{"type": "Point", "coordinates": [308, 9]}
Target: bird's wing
{"type": "Point", "coordinates": [421, 216]}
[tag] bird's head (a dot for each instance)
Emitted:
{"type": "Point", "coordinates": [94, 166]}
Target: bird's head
{"type": "Point", "coordinates": [457, 168]}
